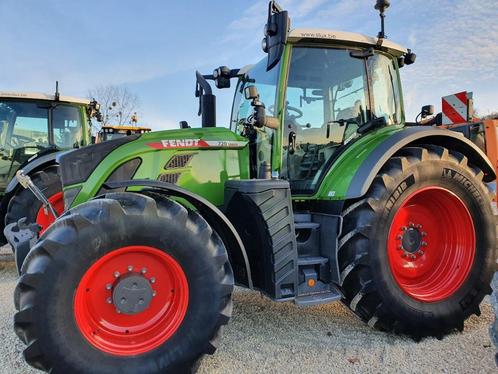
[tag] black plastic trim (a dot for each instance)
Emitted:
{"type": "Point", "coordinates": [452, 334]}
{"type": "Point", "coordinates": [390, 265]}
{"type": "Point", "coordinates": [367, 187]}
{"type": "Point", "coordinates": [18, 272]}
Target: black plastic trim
{"type": "Point", "coordinates": [33, 165]}
{"type": "Point", "coordinates": [416, 135]}
{"type": "Point", "coordinates": [76, 166]}
{"type": "Point", "coordinates": [218, 221]}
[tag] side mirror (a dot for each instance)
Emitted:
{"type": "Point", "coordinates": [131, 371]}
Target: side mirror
{"type": "Point", "coordinates": [427, 110]}
{"type": "Point", "coordinates": [251, 93]}
{"type": "Point", "coordinates": [260, 118]}
{"type": "Point", "coordinates": [276, 33]}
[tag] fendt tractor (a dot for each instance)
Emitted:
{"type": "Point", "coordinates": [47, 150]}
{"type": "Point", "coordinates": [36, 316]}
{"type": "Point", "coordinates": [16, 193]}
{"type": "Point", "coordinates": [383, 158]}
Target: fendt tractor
{"type": "Point", "coordinates": [319, 191]}
{"type": "Point", "coordinates": [33, 129]}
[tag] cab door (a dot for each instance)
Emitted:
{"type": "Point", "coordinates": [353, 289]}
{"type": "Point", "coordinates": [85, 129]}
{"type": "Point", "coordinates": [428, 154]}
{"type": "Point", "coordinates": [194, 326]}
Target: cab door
{"type": "Point", "coordinates": [326, 101]}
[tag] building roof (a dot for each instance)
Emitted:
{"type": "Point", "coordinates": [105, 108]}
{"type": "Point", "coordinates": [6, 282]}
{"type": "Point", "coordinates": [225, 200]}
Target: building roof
{"type": "Point", "coordinates": [344, 37]}
{"type": "Point", "coordinates": [41, 96]}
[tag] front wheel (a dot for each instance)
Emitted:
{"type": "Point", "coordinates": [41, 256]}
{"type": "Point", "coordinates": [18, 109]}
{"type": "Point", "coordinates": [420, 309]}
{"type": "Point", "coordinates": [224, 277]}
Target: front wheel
{"type": "Point", "coordinates": [417, 254]}
{"type": "Point", "coordinates": [128, 280]}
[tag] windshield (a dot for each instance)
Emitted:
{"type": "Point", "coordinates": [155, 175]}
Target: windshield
{"type": "Point", "coordinates": [25, 124]}
{"type": "Point", "coordinates": [266, 83]}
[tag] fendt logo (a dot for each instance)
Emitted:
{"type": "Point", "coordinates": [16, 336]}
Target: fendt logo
{"type": "Point", "coordinates": [180, 143]}
{"type": "Point", "coordinates": [196, 143]}
{"type": "Point", "coordinates": [177, 143]}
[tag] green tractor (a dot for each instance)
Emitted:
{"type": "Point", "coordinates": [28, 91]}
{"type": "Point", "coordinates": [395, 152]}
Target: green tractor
{"type": "Point", "coordinates": [319, 191]}
{"type": "Point", "coordinates": [33, 129]}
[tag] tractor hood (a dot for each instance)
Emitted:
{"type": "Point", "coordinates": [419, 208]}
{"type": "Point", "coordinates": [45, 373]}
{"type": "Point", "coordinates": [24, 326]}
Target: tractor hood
{"type": "Point", "coordinates": [200, 160]}
{"type": "Point", "coordinates": [213, 137]}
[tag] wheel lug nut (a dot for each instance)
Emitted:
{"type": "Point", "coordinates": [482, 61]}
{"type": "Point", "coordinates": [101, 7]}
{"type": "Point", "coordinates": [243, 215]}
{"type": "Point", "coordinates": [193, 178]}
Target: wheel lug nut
{"type": "Point", "coordinates": [412, 224]}
{"type": "Point", "coordinates": [116, 274]}
{"type": "Point", "coordinates": [152, 280]}
{"type": "Point", "coordinates": [109, 300]}
{"type": "Point", "coordinates": [154, 293]}
{"type": "Point", "coordinates": [404, 228]}
{"type": "Point", "coordinates": [424, 233]}
{"type": "Point", "coordinates": [423, 244]}
{"type": "Point", "coordinates": [399, 237]}
{"type": "Point", "coordinates": [108, 286]}
{"type": "Point", "coordinates": [400, 247]}
{"type": "Point", "coordinates": [420, 252]}
{"type": "Point", "coordinates": [130, 268]}
{"type": "Point", "coordinates": [143, 271]}
{"type": "Point", "coordinates": [419, 226]}
{"type": "Point", "coordinates": [413, 257]}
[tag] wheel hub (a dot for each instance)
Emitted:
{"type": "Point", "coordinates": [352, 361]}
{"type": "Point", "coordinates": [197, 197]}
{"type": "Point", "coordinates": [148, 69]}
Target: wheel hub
{"type": "Point", "coordinates": [411, 240]}
{"type": "Point", "coordinates": [132, 294]}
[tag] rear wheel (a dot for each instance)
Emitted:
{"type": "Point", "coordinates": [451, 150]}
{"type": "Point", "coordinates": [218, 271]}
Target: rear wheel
{"type": "Point", "coordinates": [25, 204]}
{"type": "Point", "coordinates": [133, 281]}
{"type": "Point", "coordinates": [417, 253]}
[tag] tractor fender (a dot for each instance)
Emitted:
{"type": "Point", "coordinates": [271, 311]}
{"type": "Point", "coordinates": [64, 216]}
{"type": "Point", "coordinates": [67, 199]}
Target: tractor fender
{"type": "Point", "coordinates": [410, 136]}
{"type": "Point", "coordinates": [216, 219]}
{"type": "Point", "coordinates": [32, 165]}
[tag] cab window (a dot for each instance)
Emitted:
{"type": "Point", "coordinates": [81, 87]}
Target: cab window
{"type": "Point", "coordinates": [326, 102]}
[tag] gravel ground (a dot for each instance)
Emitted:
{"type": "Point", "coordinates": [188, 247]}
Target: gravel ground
{"type": "Point", "coordinates": [268, 337]}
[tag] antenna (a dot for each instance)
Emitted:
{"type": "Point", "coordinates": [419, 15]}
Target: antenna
{"type": "Point", "coordinates": [57, 95]}
{"type": "Point", "coordinates": [381, 6]}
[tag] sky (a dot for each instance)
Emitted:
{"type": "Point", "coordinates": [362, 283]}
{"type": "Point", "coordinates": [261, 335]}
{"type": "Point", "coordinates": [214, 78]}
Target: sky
{"type": "Point", "coordinates": [154, 47]}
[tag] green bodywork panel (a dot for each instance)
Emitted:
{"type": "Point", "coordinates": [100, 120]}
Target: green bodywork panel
{"type": "Point", "coordinates": [226, 157]}
{"type": "Point", "coordinates": [336, 182]}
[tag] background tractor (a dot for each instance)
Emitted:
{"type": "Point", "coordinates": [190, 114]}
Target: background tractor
{"type": "Point", "coordinates": [319, 191]}
{"type": "Point", "coordinates": [109, 132]}
{"type": "Point", "coordinates": [34, 128]}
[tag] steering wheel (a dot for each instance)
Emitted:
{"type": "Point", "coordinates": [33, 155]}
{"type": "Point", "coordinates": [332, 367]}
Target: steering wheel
{"type": "Point", "coordinates": [295, 110]}
{"type": "Point", "coordinates": [20, 140]}
{"type": "Point", "coordinates": [271, 109]}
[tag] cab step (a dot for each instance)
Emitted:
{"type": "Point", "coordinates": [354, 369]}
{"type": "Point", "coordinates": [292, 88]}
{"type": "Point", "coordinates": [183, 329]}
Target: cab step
{"type": "Point", "coordinates": [318, 298]}
{"type": "Point", "coordinates": [312, 260]}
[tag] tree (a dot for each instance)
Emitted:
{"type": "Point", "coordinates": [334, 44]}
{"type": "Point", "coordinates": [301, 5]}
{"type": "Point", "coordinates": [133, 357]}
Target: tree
{"type": "Point", "coordinates": [117, 104]}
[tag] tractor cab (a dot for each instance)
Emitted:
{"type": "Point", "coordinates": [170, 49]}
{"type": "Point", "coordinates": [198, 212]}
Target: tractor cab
{"type": "Point", "coordinates": [327, 90]}
{"type": "Point", "coordinates": [35, 124]}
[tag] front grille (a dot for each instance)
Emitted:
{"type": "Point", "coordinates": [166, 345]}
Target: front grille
{"type": "Point", "coordinates": [179, 161]}
{"type": "Point", "coordinates": [169, 178]}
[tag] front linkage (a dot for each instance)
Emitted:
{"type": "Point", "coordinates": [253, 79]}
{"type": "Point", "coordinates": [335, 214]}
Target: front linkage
{"type": "Point", "coordinates": [21, 234]}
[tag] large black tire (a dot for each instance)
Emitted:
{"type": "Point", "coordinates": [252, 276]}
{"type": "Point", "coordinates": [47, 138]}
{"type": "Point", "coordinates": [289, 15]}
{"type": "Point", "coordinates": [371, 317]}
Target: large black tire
{"type": "Point", "coordinates": [24, 203]}
{"type": "Point", "coordinates": [53, 269]}
{"type": "Point", "coordinates": [368, 284]}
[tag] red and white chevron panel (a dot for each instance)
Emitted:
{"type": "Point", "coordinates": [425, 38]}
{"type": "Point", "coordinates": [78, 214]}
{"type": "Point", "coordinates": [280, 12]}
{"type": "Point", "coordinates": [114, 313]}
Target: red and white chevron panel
{"type": "Point", "coordinates": [456, 108]}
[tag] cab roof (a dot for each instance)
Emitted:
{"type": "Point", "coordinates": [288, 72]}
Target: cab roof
{"type": "Point", "coordinates": [343, 37]}
{"type": "Point", "coordinates": [42, 96]}
{"type": "Point", "coordinates": [126, 128]}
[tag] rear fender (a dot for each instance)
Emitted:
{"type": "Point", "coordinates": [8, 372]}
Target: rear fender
{"type": "Point", "coordinates": [414, 136]}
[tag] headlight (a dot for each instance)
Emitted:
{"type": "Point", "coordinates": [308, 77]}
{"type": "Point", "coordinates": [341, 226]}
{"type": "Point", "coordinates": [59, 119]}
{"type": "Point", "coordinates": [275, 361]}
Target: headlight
{"type": "Point", "coordinates": [264, 45]}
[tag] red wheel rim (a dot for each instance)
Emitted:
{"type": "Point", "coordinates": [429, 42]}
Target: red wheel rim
{"type": "Point", "coordinates": [45, 218]}
{"type": "Point", "coordinates": [114, 332]}
{"type": "Point", "coordinates": [431, 244]}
